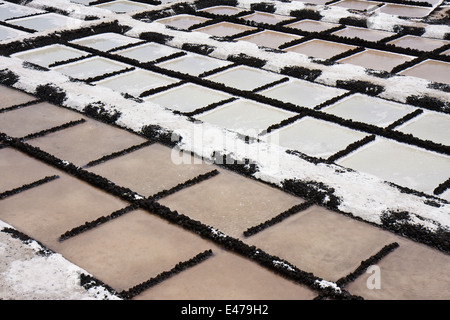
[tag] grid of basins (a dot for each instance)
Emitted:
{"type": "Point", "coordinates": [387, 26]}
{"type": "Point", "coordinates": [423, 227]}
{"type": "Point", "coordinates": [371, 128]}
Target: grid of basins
{"type": "Point", "coordinates": [401, 143]}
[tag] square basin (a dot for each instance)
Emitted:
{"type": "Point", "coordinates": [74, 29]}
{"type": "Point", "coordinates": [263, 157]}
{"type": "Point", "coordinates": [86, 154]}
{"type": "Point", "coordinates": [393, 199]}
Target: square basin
{"type": "Point", "coordinates": [405, 10]}
{"type": "Point", "coordinates": [376, 59]}
{"type": "Point", "coordinates": [90, 67]}
{"type": "Point", "coordinates": [318, 48]}
{"type": "Point", "coordinates": [433, 70]}
{"type": "Point", "coordinates": [357, 4]}
{"type": "Point", "coordinates": [245, 116]}
{"type": "Point", "coordinates": [10, 33]}
{"type": "Point", "coordinates": [124, 6]}
{"type": "Point", "coordinates": [223, 10]}
{"type": "Point", "coordinates": [418, 43]}
{"type": "Point", "coordinates": [13, 97]}
{"type": "Point", "coordinates": [182, 21]}
{"type": "Point", "coordinates": [311, 25]}
{"type": "Point", "coordinates": [105, 41]}
{"type": "Point", "coordinates": [367, 109]}
{"type": "Point", "coordinates": [244, 78]}
{"type": "Point", "coordinates": [224, 29]}
{"type": "Point", "coordinates": [46, 21]}
{"type": "Point", "coordinates": [147, 52]}
{"type": "Point", "coordinates": [188, 97]}
{"type": "Point", "coordinates": [302, 93]}
{"type": "Point", "coordinates": [400, 163]}
{"type": "Point", "coordinates": [319, 2]}
{"type": "Point", "coordinates": [264, 17]}
{"type": "Point", "coordinates": [269, 38]}
{"type": "Point", "coordinates": [47, 55]}
{"type": "Point", "coordinates": [316, 138]}
{"type": "Point", "coordinates": [136, 82]}
{"type": "Point", "coordinates": [35, 118]}
{"type": "Point", "coordinates": [193, 64]}
{"type": "Point", "coordinates": [230, 202]}
{"type": "Point", "coordinates": [11, 10]}
{"type": "Point", "coordinates": [363, 33]}
{"type": "Point", "coordinates": [429, 125]}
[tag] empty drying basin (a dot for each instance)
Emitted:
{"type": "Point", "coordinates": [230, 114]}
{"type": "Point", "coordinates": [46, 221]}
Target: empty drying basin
{"type": "Point", "coordinates": [182, 21]}
{"type": "Point", "coordinates": [224, 29]}
{"type": "Point", "coordinates": [264, 17]}
{"type": "Point", "coordinates": [147, 52]}
{"type": "Point", "coordinates": [367, 109]}
{"type": "Point", "coordinates": [245, 116]}
{"type": "Point", "coordinates": [433, 70]}
{"type": "Point", "coordinates": [136, 82]}
{"type": "Point", "coordinates": [188, 97]}
{"type": "Point", "coordinates": [124, 6]}
{"type": "Point", "coordinates": [403, 164]}
{"type": "Point", "coordinates": [223, 10]}
{"type": "Point", "coordinates": [90, 67]}
{"type": "Point", "coordinates": [302, 93]}
{"type": "Point", "coordinates": [376, 59]}
{"type": "Point", "coordinates": [363, 33]}
{"type": "Point", "coordinates": [269, 38]}
{"type": "Point", "coordinates": [193, 64]}
{"type": "Point", "coordinates": [315, 137]}
{"type": "Point", "coordinates": [46, 21]}
{"type": "Point", "coordinates": [48, 55]}
{"type": "Point", "coordinates": [418, 43]}
{"type": "Point", "coordinates": [105, 41]}
{"type": "Point", "coordinates": [244, 78]}
{"type": "Point", "coordinates": [318, 48]}
{"type": "Point", "coordinates": [311, 25]}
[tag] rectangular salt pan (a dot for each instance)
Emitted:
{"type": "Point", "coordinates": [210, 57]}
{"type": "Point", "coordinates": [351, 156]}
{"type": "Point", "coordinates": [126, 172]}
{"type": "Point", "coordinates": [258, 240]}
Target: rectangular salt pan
{"type": "Point", "coordinates": [11, 10]}
{"type": "Point", "coordinates": [182, 21]}
{"type": "Point", "coordinates": [10, 33]}
{"type": "Point", "coordinates": [223, 10]}
{"type": "Point", "coordinates": [320, 48]}
{"type": "Point", "coordinates": [357, 4]}
{"type": "Point", "coordinates": [402, 164]}
{"type": "Point", "coordinates": [363, 33]}
{"type": "Point", "coordinates": [269, 38]}
{"type": "Point", "coordinates": [105, 41]}
{"type": "Point", "coordinates": [376, 59]}
{"type": "Point", "coordinates": [311, 25]}
{"type": "Point", "coordinates": [315, 137]}
{"type": "Point", "coordinates": [418, 43]}
{"type": "Point", "coordinates": [224, 29]}
{"type": "Point", "coordinates": [245, 116]}
{"type": "Point", "coordinates": [431, 126]}
{"type": "Point", "coordinates": [371, 110]}
{"type": "Point", "coordinates": [188, 97]}
{"type": "Point", "coordinates": [244, 78]}
{"type": "Point", "coordinates": [433, 70]}
{"type": "Point", "coordinates": [136, 81]}
{"type": "Point", "coordinates": [147, 52]}
{"type": "Point", "coordinates": [124, 6]}
{"type": "Point", "coordinates": [405, 10]}
{"type": "Point", "coordinates": [302, 93]}
{"type": "Point", "coordinates": [193, 64]}
{"type": "Point", "coordinates": [90, 67]}
{"type": "Point", "coordinates": [46, 21]}
{"type": "Point", "coordinates": [45, 56]}
{"type": "Point", "coordinates": [264, 17]}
